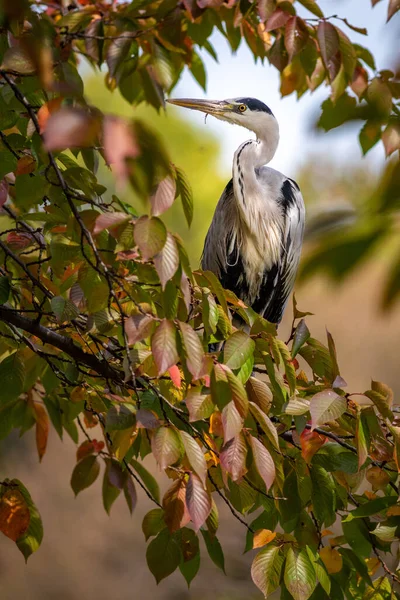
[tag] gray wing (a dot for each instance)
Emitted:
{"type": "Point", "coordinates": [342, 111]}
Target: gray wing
{"type": "Point", "coordinates": [279, 281]}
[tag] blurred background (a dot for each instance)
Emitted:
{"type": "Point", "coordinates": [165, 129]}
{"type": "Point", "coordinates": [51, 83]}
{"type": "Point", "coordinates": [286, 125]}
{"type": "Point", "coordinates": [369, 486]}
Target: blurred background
{"type": "Point", "coordinates": [85, 553]}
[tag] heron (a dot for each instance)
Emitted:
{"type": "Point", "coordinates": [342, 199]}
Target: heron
{"type": "Point", "coordinates": [255, 238]}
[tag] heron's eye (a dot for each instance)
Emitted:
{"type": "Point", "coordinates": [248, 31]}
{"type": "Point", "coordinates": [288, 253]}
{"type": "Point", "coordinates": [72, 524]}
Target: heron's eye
{"type": "Point", "coordinates": [242, 107]}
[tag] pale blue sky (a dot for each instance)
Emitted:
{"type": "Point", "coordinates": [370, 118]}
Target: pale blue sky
{"type": "Point", "coordinates": [237, 75]}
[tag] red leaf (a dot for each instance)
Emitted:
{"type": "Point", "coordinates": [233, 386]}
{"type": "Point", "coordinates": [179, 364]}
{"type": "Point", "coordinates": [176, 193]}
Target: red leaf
{"type": "Point", "coordinates": [146, 419]}
{"type": "Point", "coordinates": [138, 327]}
{"type": "Point", "coordinates": [19, 241]}
{"type": "Point", "coordinates": [109, 220]}
{"type": "Point", "coordinates": [278, 18]}
{"type": "Point", "coordinates": [14, 514]}
{"type": "Point", "coordinates": [163, 346]}
{"type": "Point", "coordinates": [167, 261]}
{"type": "Point", "coordinates": [3, 192]}
{"type": "Point", "coordinates": [198, 501]}
{"type": "Point", "coordinates": [175, 375]}
{"type": "Point", "coordinates": [296, 36]}
{"type": "Point", "coordinates": [163, 197]}
{"type": "Point", "coordinates": [70, 128]}
{"type": "Point", "coordinates": [232, 422]}
{"type": "Point", "coordinates": [195, 456]}
{"type": "Point", "coordinates": [176, 514]}
{"type": "Point", "coordinates": [233, 457]}
{"type": "Point", "coordinates": [310, 442]}
{"type": "Point", "coordinates": [119, 144]}
{"type": "Point", "coordinates": [328, 39]}
{"type": "Point", "coordinates": [166, 447]}
{"type": "Point", "coordinates": [263, 460]}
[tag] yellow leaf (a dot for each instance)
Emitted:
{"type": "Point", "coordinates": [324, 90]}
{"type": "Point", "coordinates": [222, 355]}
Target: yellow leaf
{"type": "Point", "coordinates": [263, 537]}
{"type": "Point", "coordinates": [373, 565]}
{"type": "Point", "coordinates": [122, 441]}
{"type": "Point", "coordinates": [393, 511]}
{"type": "Point", "coordinates": [331, 559]}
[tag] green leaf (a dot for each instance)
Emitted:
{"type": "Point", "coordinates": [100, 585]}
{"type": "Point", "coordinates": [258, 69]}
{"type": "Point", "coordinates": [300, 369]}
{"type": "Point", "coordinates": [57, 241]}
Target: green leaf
{"type": "Point", "coordinates": [184, 190]}
{"type": "Point", "coordinates": [198, 70]}
{"type": "Point", "coordinates": [149, 481]}
{"type": "Point", "coordinates": [65, 310]}
{"type": "Point", "coordinates": [85, 473]}
{"type": "Point", "coordinates": [200, 406]}
{"type": "Point", "coordinates": [361, 439]}
{"type": "Point", "coordinates": [194, 349]}
{"type": "Point", "coordinates": [313, 7]}
{"type": "Point", "coordinates": [324, 495]}
{"type": "Point", "coordinates": [163, 346]}
{"type": "Point", "coordinates": [382, 396]}
{"type": "Point", "coordinates": [190, 568]}
{"type": "Point", "coordinates": [354, 561]}
{"type": "Point", "coordinates": [370, 135]}
{"type": "Point", "coordinates": [113, 482]}
{"type": "Point", "coordinates": [30, 190]}
{"type": "Point", "coordinates": [266, 569]}
{"type": "Point", "coordinates": [335, 114]}
{"type": "Point", "coordinates": [300, 578]}
{"type": "Point", "coordinates": [166, 446]}
{"type": "Point", "coordinates": [301, 335]}
{"type": "Point", "coordinates": [12, 377]}
{"type": "Point", "coordinates": [153, 522]}
{"type": "Point", "coordinates": [150, 235]}
{"type": "Point", "coordinates": [266, 424]}
{"type": "Point", "coordinates": [29, 541]}
{"type": "Point", "coordinates": [163, 555]}
{"type": "Point", "coordinates": [373, 507]}
{"type": "Point", "coordinates": [214, 549]}
{"type": "Point", "coordinates": [238, 349]}
{"type": "Point", "coordinates": [326, 406]}
{"type": "Point", "coordinates": [358, 537]}
{"type": "Point", "coordinates": [5, 289]}
{"type": "Point", "coordinates": [119, 417]}
{"type": "Point", "coordinates": [386, 533]}
{"type": "Point", "coordinates": [195, 456]}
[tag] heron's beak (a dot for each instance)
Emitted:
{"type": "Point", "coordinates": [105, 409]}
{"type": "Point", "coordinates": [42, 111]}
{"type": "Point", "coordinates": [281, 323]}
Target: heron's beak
{"type": "Point", "coordinates": [211, 107]}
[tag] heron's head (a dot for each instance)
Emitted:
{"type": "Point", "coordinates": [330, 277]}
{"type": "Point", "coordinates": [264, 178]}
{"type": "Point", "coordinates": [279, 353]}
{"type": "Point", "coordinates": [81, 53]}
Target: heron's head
{"type": "Point", "coordinates": [247, 112]}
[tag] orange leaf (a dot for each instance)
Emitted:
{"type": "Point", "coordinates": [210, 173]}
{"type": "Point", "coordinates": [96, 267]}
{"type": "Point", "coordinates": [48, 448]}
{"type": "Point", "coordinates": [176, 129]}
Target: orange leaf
{"type": "Point", "coordinates": [377, 477]}
{"type": "Point", "coordinates": [46, 110]}
{"type": "Point", "coordinates": [331, 559]}
{"type": "Point", "coordinates": [14, 514]}
{"type": "Point", "coordinates": [42, 428]}
{"type": "Point", "coordinates": [175, 375]}
{"type": "Point", "coordinates": [310, 442]}
{"type": "Point", "coordinates": [26, 164]}
{"type": "Point", "coordinates": [84, 449]}
{"type": "Point", "coordinates": [263, 537]}
{"type": "Point", "coordinates": [176, 514]}
{"type": "Point", "coordinates": [326, 532]}
{"type": "Point", "coordinates": [216, 425]}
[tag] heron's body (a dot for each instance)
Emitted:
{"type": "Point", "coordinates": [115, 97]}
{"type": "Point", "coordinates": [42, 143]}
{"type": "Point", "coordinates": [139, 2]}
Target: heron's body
{"type": "Point", "coordinates": [255, 238]}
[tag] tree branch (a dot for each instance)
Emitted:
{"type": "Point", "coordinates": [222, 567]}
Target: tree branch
{"type": "Point", "coordinates": [64, 344]}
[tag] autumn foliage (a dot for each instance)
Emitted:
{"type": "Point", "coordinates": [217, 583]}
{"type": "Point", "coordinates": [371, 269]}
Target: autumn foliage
{"type": "Point", "coordinates": [106, 329]}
